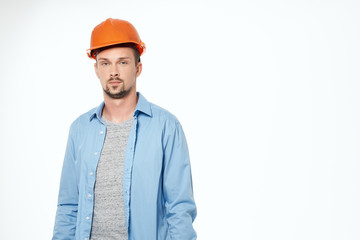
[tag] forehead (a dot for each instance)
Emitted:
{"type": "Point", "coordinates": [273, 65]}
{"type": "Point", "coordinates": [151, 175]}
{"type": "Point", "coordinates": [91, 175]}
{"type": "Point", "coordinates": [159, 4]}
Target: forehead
{"type": "Point", "coordinates": [116, 52]}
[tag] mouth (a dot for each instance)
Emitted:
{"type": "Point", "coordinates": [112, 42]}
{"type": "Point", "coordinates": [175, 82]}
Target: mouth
{"type": "Point", "coordinates": [114, 83]}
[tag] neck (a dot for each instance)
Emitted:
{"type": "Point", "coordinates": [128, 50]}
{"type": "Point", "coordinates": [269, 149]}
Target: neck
{"type": "Point", "coordinates": [119, 110]}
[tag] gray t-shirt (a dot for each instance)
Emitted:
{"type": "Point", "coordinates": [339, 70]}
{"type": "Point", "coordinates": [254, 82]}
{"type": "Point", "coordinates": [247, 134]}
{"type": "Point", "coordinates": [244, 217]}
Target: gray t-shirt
{"type": "Point", "coordinates": [109, 216]}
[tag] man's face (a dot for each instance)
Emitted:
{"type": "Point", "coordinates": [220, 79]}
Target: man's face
{"type": "Point", "coordinates": [117, 71]}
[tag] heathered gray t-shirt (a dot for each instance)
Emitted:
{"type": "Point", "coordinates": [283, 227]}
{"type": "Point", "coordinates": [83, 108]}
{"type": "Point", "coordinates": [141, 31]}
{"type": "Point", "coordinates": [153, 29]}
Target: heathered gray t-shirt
{"type": "Point", "coordinates": [109, 216]}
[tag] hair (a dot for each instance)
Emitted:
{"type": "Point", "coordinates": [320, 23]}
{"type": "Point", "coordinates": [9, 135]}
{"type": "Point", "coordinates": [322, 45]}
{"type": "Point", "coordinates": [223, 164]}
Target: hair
{"type": "Point", "coordinates": [129, 45]}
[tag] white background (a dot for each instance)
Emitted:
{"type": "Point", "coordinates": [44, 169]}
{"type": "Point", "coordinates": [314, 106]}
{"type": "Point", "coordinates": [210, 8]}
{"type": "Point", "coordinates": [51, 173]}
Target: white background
{"type": "Point", "coordinates": [267, 93]}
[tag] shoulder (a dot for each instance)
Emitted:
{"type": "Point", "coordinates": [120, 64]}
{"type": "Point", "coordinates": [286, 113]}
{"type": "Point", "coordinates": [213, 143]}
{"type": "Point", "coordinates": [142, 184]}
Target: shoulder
{"type": "Point", "coordinates": [164, 116]}
{"type": "Point", "coordinates": [159, 112]}
{"type": "Point", "coordinates": [83, 121]}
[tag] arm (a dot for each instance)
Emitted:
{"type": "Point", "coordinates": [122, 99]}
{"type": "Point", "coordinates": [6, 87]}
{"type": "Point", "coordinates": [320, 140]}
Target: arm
{"type": "Point", "coordinates": [66, 214]}
{"type": "Point", "coordinates": [177, 186]}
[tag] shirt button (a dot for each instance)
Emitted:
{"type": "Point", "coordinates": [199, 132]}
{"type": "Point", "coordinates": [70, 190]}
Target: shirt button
{"type": "Point", "coordinates": [91, 173]}
{"type": "Point", "coordinates": [101, 132]}
{"type": "Point", "coordinates": [89, 195]}
{"type": "Point", "coordinates": [95, 153]}
{"type": "Point", "coordinates": [85, 239]}
{"type": "Point", "coordinates": [87, 218]}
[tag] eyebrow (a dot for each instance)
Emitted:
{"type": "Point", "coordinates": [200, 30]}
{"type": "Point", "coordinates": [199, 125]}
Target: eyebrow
{"type": "Point", "coordinates": [106, 59]}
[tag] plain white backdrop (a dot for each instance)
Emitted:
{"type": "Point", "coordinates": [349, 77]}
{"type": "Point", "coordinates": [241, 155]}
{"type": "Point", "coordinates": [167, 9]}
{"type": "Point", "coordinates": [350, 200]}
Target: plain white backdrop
{"type": "Point", "coordinates": [267, 93]}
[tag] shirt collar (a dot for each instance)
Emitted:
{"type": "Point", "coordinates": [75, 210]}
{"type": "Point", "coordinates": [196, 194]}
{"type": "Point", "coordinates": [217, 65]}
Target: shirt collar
{"type": "Point", "coordinates": [142, 106]}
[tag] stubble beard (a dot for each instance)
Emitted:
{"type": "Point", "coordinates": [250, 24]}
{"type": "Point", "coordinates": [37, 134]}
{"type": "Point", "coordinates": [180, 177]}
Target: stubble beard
{"type": "Point", "coordinates": [121, 93]}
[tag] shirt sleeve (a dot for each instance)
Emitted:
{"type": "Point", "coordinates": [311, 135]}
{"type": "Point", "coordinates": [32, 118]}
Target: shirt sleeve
{"type": "Point", "coordinates": [67, 208]}
{"type": "Point", "coordinates": [177, 186]}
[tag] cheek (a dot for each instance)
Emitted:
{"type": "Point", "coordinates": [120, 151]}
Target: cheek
{"type": "Point", "coordinates": [128, 73]}
{"type": "Point", "coordinates": [102, 73]}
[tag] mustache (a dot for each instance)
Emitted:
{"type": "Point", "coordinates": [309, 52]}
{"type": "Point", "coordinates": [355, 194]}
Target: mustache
{"type": "Point", "coordinates": [117, 79]}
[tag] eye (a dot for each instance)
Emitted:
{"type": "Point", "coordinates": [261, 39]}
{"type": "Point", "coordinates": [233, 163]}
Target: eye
{"type": "Point", "coordinates": [104, 63]}
{"type": "Point", "coordinates": [123, 62]}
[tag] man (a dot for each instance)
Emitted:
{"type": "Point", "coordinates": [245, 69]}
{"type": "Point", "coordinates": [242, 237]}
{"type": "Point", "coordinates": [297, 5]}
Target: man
{"type": "Point", "coordinates": [126, 172]}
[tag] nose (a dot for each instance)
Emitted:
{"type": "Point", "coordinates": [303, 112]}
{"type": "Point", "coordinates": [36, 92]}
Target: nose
{"type": "Point", "coordinates": [114, 72]}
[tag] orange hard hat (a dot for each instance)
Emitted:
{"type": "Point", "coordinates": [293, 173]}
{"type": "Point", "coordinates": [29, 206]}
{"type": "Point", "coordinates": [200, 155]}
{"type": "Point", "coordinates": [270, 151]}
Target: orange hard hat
{"type": "Point", "coordinates": [112, 32]}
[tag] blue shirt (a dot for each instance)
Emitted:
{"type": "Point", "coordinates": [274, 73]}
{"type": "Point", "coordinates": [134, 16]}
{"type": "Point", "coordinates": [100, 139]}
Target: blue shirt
{"type": "Point", "coordinates": [157, 184]}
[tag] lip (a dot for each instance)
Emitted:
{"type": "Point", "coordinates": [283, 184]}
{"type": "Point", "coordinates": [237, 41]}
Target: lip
{"type": "Point", "coordinates": [114, 82]}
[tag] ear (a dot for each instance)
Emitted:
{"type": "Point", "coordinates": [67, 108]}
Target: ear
{"type": "Point", "coordinates": [138, 69]}
{"type": "Point", "coordinates": [96, 69]}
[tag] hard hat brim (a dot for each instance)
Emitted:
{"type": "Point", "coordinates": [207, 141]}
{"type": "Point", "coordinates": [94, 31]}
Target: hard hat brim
{"type": "Point", "coordinates": [141, 47]}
